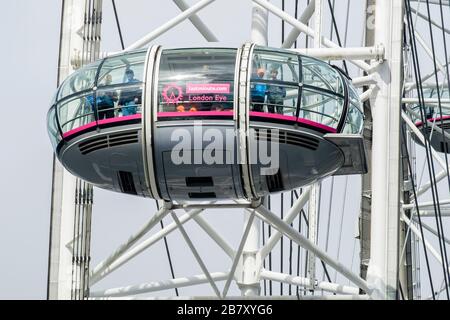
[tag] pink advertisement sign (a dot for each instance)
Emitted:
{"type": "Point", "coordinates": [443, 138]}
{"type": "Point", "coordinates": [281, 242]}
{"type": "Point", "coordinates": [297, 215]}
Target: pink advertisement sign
{"type": "Point", "coordinates": [194, 88]}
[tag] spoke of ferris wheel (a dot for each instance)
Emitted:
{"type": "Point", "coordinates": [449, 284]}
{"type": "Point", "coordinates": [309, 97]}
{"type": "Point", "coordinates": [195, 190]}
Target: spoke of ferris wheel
{"type": "Point", "coordinates": [140, 247]}
{"type": "Point", "coordinates": [429, 52]}
{"type": "Point", "coordinates": [182, 282]}
{"type": "Point", "coordinates": [238, 254]}
{"type": "Point", "coordinates": [157, 286]}
{"type": "Point", "coordinates": [421, 15]}
{"type": "Point", "coordinates": [244, 298]}
{"type": "Point", "coordinates": [431, 213]}
{"type": "Point", "coordinates": [439, 292]}
{"type": "Point", "coordinates": [444, 2]}
{"type": "Point", "coordinates": [305, 29]}
{"type": "Point", "coordinates": [430, 229]}
{"type": "Point", "coordinates": [426, 205]}
{"type": "Point", "coordinates": [155, 219]}
{"type": "Point", "coordinates": [432, 250]}
{"type": "Point", "coordinates": [169, 25]}
{"type": "Point", "coordinates": [291, 233]}
{"type": "Point", "coordinates": [221, 242]}
{"type": "Point", "coordinates": [307, 283]}
{"type": "Point", "coordinates": [197, 22]}
{"type": "Point", "coordinates": [289, 218]}
{"type": "Point", "coordinates": [425, 101]}
{"type": "Point", "coordinates": [304, 18]}
{"type": "Point", "coordinates": [196, 254]}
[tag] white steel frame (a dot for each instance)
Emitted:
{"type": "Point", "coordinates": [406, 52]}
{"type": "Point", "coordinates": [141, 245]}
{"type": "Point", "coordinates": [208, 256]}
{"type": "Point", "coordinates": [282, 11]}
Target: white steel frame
{"type": "Point", "coordinates": [383, 81]}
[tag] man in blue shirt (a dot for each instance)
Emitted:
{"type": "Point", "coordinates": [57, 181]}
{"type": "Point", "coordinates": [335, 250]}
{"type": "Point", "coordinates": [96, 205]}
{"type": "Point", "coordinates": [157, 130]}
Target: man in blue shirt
{"type": "Point", "coordinates": [130, 98]}
{"type": "Point", "coordinates": [258, 91]}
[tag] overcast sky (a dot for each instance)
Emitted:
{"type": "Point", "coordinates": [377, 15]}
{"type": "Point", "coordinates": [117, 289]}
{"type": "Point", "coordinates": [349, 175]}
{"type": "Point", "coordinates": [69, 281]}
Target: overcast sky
{"type": "Point", "coordinates": [29, 31]}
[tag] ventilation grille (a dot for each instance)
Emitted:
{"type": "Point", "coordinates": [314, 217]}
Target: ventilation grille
{"type": "Point", "coordinates": [126, 182]}
{"type": "Point", "coordinates": [445, 126]}
{"type": "Point", "coordinates": [438, 126]}
{"type": "Point", "coordinates": [106, 141]}
{"type": "Point", "coordinates": [275, 182]}
{"type": "Point", "coordinates": [287, 137]}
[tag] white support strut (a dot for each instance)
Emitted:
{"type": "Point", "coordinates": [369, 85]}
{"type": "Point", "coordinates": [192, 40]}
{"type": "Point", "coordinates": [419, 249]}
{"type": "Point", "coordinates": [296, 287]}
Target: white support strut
{"type": "Point", "coordinates": [293, 234]}
{"type": "Point", "coordinates": [382, 271]}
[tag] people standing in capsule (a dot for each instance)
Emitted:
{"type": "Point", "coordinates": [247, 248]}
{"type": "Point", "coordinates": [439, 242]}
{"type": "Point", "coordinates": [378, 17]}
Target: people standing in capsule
{"type": "Point", "coordinates": [258, 91]}
{"type": "Point", "coordinates": [131, 98]}
{"type": "Point", "coordinates": [275, 93]}
{"type": "Point", "coordinates": [106, 100]}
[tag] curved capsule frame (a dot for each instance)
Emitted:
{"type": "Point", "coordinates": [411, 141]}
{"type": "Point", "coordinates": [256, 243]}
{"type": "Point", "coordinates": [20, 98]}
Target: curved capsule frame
{"type": "Point", "coordinates": [242, 120]}
{"type": "Point", "coordinates": [150, 99]}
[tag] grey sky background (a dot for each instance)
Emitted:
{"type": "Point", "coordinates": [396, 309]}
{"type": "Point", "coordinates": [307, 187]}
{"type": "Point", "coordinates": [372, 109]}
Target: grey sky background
{"type": "Point", "coordinates": [29, 31]}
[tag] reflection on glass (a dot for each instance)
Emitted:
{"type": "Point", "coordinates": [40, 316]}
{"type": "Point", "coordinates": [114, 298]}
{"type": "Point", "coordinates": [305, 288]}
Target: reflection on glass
{"type": "Point", "coordinates": [106, 103]}
{"type": "Point", "coordinates": [114, 70]}
{"type": "Point", "coordinates": [76, 112]}
{"type": "Point", "coordinates": [355, 120]}
{"type": "Point", "coordinates": [80, 80]}
{"type": "Point", "coordinates": [275, 94]}
{"type": "Point", "coordinates": [431, 111]}
{"type": "Point", "coordinates": [285, 65]}
{"type": "Point", "coordinates": [321, 75]}
{"type": "Point", "coordinates": [273, 75]}
{"type": "Point", "coordinates": [130, 100]}
{"type": "Point", "coordinates": [321, 107]}
{"type": "Point", "coordinates": [192, 80]}
{"type": "Point", "coordinates": [53, 131]}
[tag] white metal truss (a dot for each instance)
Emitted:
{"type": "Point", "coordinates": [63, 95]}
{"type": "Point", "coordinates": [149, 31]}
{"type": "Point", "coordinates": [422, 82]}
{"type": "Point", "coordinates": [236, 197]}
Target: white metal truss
{"type": "Point", "coordinates": [382, 81]}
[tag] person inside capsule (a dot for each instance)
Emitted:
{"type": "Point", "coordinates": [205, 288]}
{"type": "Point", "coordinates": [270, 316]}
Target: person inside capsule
{"type": "Point", "coordinates": [106, 100]}
{"type": "Point", "coordinates": [130, 98]}
{"type": "Point", "coordinates": [258, 91]}
{"type": "Point", "coordinates": [275, 93]}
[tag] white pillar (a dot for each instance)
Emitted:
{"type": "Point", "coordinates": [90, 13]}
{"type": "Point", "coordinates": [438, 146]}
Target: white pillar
{"type": "Point", "coordinates": [259, 25]}
{"type": "Point", "coordinates": [65, 278]}
{"type": "Point", "coordinates": [313, 210]}
{"type": "Point", "coordinates": [382, 271]}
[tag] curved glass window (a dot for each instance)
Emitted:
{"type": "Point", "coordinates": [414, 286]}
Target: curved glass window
{"type": "Point", "coordinates": [79, 81]}
{"type": "Point", "coordinates": [52, 127]}
{"type": "Point", "coordinates": [117, 93]}
{"type": "Point", "coordinates": [75, 112]}
{"type": "Point", "coordinates": [321, 75]}
{"type": "Point", "coordinates": [127, 68]}
{"type": "Point", "coordinates": [274, 82]}
{"type": "Point", "coordinates": [321, 107]}
{"type": "Point", "coordinates": [196, 80]}
{"type": "Point", "coordinates": [119, 86]}
{"type": "Point", "coordinates": [431, 111]}
{"type": "Point", "coordinates": [278, 81]}
{"type": "Point", "coordinates": [355, 116]}
{"type": "Point", "coordinates": [284, 84]}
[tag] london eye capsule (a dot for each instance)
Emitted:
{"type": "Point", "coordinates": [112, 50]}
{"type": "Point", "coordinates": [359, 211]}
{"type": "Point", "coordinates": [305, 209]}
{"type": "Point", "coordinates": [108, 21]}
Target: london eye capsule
{"type": "Point", "coordinates": [207, 123]}
{"type": "Point", "coordinates": [432, 123]}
